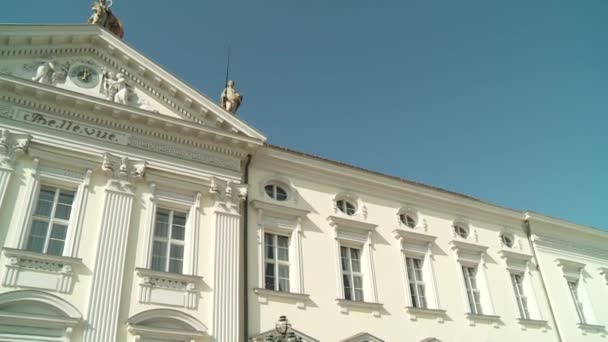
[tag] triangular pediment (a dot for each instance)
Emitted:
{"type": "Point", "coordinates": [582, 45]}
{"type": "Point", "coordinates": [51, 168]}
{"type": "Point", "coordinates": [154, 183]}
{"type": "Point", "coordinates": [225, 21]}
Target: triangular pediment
{"type": "Point", "coordinates": [88, 60]}
{"type": "Point", "coordinates": [363, 337]}
{"type": "Point", "coordinates": [262, 337]}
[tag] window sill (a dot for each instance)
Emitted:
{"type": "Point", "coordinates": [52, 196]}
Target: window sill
{"type": "Point", "coordinates": [416, 313]}
{"type": "Point", "coordinates": [42, 257]}
{"type": "Point", "coordinates": [534, 323]}
{"type": "Point", "coordinates": [528, 321]}
{"type": "Point", "coordinates": [156, 287]}
{"type": "Point", "coordinates": [299, 298]}
{"type": "Point", "coordinates": [591, 327]}
{"type": "Point", "coordinates": [345, 304]}
{"type": "Point", "coordinates": [39, 270]}
{"type": "Point", "coordinates": [474, 318]}
{"type": "Point", "coordinates": [146, 272]}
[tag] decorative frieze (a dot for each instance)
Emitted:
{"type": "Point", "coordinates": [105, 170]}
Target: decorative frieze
{"type": "Point", "coordinates": [67, 126]}
{"type": "Point", "coordinates": [168, 288]}
{"type": "Point", "coordinates": [194, 155]}
{"type": "Point", "coordinates": [36, 270]}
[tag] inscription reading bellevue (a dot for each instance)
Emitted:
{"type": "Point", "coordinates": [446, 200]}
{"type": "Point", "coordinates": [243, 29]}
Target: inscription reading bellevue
{"type": "Point", "coordinates": [65, 125]}
{"type": "Point", "coordinates": [70, 126]}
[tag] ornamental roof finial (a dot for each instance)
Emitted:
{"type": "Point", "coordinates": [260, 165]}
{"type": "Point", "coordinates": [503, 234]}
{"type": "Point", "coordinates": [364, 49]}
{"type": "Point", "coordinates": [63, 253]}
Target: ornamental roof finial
{"type": "Point", "coordinates": [102, 16]}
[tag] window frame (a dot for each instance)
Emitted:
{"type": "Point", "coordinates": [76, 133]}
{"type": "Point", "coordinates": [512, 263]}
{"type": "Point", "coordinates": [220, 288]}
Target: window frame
{"type": "Point", "coordinates": [343, 206]}
{"type": "Point", "coordinates": [58, 173]}
{"type": "Point", "coordinates": [276, 262]}
{"type": "Point", "coordinates": [51, 220]}
{"type": "Point", "coordinates": [190, 205]}
{"type": "Point", "coordinates": [275, 191]}
{"type": "Point", "coordinates": [475, 307]}
{"type": "Point", "coordinates": [520, 295]}
{"type": "Point", "coordinates": [170, 242]}
{"type": "Point", "coordinates": [573, 287]}
{"type": "Point", "coordinates": [351, 274]}
{"type": "Point", "coordinates": [418, 301]}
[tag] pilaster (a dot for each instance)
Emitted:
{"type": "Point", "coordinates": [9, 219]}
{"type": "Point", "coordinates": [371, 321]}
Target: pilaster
{"type": "Point", "coordinates": [104, 302]}
{"type": "Point", "coordinates": [226, 284]}
{"type": "Point", "coordinates": [12, 146]}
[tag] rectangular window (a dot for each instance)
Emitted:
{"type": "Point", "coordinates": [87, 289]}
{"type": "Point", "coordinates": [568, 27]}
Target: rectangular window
{"type": "Point", "coordinates": [573, 286]}
{"type": "Point", "coordinates": [50, 221]}
{"type": "Point", "coordinates": [168, 246]}
{"type": "Point", "coordinates": [352, 277]}
{"type": "Point", "coordinates": [522, 301]}
{"type": "Point", "coordinates": [276, 273]}
{"type": "Point", "coordinates": [473, 295]}
{"type": "Point", "coordinates": [416, 283]}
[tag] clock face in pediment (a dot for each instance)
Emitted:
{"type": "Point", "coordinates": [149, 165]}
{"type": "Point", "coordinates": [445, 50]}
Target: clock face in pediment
{"type": "Point", "coordinates": [84, 76]}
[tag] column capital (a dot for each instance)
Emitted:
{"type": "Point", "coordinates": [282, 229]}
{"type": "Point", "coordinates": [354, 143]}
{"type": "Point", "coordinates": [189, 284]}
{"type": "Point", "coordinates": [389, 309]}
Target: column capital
{"type": "Point", "coordinates": [228, 195]}
{"type": "Point", "coordinates": [122, 172]}
{"type": "Point", "coordinates": [12, 146]}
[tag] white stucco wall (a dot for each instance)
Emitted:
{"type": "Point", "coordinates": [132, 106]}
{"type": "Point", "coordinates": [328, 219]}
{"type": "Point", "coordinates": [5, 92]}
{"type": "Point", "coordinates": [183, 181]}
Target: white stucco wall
{"type": "Point", "coordinates": [556, 240]}
{"type": "Point", "coordinates": [321, 317]}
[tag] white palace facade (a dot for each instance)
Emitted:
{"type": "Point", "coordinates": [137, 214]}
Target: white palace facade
{"type": "Point", "coordinates": [134, 208]}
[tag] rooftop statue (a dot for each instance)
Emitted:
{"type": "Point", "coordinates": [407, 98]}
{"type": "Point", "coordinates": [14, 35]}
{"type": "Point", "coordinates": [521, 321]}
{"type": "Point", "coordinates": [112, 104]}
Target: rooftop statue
{"type": "Point", "coordinates": [102, 16]}
{"type": "Point", "coordinates": [231, 99]}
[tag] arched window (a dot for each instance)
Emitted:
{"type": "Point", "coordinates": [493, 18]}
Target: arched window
{"type": "Point", "coordinates": [36, 316]}
{"type": "Point", "coordinates": [461, 229]}
{"type": "Point", "coordinates": [276, 191]}
{"type": "Point", "coordinates": [346, 206]}
{"type": "Point", "coordinates": [166, 324]}
{"type": "Point", "coordinates": [507, 239]}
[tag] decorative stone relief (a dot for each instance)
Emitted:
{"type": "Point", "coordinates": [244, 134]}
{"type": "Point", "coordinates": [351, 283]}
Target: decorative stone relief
{"type": "Point", "coordinates": [49, 71]}
{"type": "Point", "coordinates": [228, 195]}
{"type": "Point", "coordinates": [168, 289]}
{"type": "Point", "coordinates": [123, 173]}
{"type": "Point", "coordinates": [36, 270]}
{"type": "Point", "coordinates": [12, 146]}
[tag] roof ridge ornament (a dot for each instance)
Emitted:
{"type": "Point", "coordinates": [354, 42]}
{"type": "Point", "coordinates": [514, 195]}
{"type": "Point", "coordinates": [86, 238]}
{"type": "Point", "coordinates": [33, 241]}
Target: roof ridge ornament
{"type": "Point", "coordinates": [102, 16]}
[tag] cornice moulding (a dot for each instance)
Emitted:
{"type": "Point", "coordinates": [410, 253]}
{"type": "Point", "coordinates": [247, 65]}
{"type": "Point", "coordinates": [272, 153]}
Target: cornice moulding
{"type": "Point", "coordinates": [279, 209]}
{"type": "Point", "coordinates": [422, 195]}
{"type": "Point", "coordinates": [38, 321]}
{"type": "Point", "coordinates": [410, 235]}
{"type": "Point", "coordinates": [513, 255]}
{"type": "Point", "coordinates": [458, 245]}
{"type": "Point", "coordinates": [550, 221]}
{"type": "Point", "coordinates": [38, 92]}
{"type": "Point", "coordinates": [343, 222]}
{"type": "Point", "coordinates": [565, 263]}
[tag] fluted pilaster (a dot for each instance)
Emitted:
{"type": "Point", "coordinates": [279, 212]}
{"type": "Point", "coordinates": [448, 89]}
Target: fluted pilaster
{"type": "Point", "coordinates": [227, 294]}
{"type": "Point", "coordinates": [104, 302]}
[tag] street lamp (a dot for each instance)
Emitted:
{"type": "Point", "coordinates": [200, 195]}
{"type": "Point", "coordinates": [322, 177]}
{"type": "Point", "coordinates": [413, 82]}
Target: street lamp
{"type": "Point", "coordinates": [283, 327]}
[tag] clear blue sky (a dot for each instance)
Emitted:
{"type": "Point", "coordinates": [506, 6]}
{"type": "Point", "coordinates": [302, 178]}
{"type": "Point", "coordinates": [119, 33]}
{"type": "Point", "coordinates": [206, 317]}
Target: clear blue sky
{"type": "Point", "coordinates": [506, 101]}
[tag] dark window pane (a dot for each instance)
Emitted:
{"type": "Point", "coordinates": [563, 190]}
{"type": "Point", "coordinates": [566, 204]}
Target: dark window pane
{"type": "Point", "coordinates": [159, 256]}
{"type": "Point", "coordinates": [269, 189]}
{"type": "Point", "coordinates": [55, 247]}
{"type": "Point", "coordinates": [179, 219]}
{"type": "Point", "coordinates": [45, 202]}
{"type": "Point", "coordinates": [59, 231]}
{"type": "Point", "coordinates": [161, 227]}
{"type": "Point", "coordinates": [176, 266]}
{"type": "Point", "coordinates": [281, 194]}
{"type": "Point", "coordinates": [178, 233]}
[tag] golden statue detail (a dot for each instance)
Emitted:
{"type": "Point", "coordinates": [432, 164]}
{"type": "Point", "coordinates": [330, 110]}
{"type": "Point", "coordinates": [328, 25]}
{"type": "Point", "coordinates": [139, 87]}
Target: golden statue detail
{"type": "Point", "coordinates": [102, 16]}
